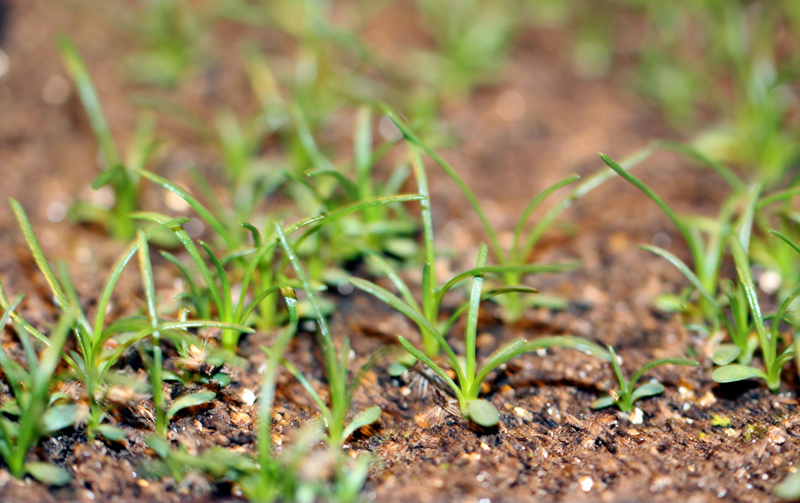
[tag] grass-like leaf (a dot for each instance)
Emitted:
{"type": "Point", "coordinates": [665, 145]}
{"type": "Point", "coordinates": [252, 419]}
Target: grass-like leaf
{"type": "Point", "coordinates": [364, 418]}
{"type": "Point", "coordinates": [48, 474]}
{"type": "Point", "coordinates": [686, 271]}
{"type": "Point", "coordinates": [187, 401]}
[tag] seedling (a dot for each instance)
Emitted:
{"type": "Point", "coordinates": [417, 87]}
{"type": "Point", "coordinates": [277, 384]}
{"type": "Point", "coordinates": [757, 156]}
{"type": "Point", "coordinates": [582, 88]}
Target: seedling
{"type": "Point", "coordinates": [92, 361]}
{"type": "Point", "coordinates": [773, 362]}
{"type": "Point", "coordinates": [512, 262]}
{"type": "Point", "coordinates": [171, 36]}
{"type": "Point", "coordinates": [341, 392]}
{"type": "Point", "coordinates": [119, 173]}
{"type": "Point", "coordinates": [472, 39]}
{"type": "Point", "coordinates": [257, 269]}
{"type": "Point", "coordinates": [373, 229]}
{"type": "Point", "coordinates": [706, 256]}
{"type": "Point", "coordinates": [469, 377]}
{"type": "Point", "coordinates": [628, 393]}
{"type": "Point", "coordinates": [31, 403]}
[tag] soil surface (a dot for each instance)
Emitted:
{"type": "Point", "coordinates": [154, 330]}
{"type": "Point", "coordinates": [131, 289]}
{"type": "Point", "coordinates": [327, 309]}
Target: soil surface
{"type": "Point", "coordinates": [697, 442]}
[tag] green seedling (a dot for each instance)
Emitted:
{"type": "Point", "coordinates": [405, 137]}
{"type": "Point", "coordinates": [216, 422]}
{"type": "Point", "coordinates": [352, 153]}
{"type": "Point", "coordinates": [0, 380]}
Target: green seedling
{"type": "Point", "coordinates": [472, 38]}
{"type": "Point", "coordinates": [265, 477]}
{"type": "Point", "coordinates": [255, 261]}
{"type": "Point", "coordinates": [469, 377]}
{"type": "Point", "coordinates": [32, 403]}
{"type": "Point", "coordinates": [628, 393]}
{"type": "Point", "coordinates": [772, 254]}
{"type": "Point", "coordinates": [768, 341]}
{"type": "Point", "coordinates": [155, 364]}
{"type": "Point", "coordinates": [716, 297]}
{"type": "Point", "coordinates": [171, 35]}
{"type": "Point", "coordinates": [335, 364]}
{"type": "Point", "coordinates": [373, 229]}
{"type": "Point", "coordinates": [279, 476]}
{"type": "Point", "coordinates": [92, 362]}
{"type": "Point", "coordinates": [706, 255]}
{"type": "Point", "coordinates": [119, 174]}
{"type": "Point", "coordinates": [512, 262]}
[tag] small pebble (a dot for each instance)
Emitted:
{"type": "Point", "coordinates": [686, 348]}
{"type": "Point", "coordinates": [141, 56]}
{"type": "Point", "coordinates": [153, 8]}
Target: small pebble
{"type": "Point", "coordinates": [248, 397]}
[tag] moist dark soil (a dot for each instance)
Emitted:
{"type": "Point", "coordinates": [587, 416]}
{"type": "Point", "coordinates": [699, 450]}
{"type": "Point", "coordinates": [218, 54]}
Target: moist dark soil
{"type": "Point", "coordinates": [698, 442]}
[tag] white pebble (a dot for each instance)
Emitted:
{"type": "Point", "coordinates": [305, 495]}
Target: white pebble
{"type": "Point", "coordinates": [248, 397]}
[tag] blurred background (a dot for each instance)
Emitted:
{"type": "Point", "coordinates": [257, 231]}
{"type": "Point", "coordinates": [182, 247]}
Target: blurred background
{"type": "Point", "coordinates": [529, 88]}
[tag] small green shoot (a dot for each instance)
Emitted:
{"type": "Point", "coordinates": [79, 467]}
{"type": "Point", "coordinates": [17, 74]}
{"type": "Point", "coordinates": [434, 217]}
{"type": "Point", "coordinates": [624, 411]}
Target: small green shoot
{"type": "Point", "coordinates": [768, 341]}
{"type": "Point", "coordinates": [341, 392]}
{"type": "Point", "coordinates": [469, 377]}
{"type": "Point", "coordinates": [31, 403]}
{"type": "Point", "coordinates": [119, 173]}
{"type": "Point", "coordinates": [512, 262]}
{"type": "Point", "coordinates": [92, 362]}
{"type": "Point", "coordinates": [218, 291]}
{"type": "Point", "coordinates": [628, 393]}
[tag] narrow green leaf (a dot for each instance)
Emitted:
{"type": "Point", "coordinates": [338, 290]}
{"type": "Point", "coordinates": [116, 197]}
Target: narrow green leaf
{"type": "Point", "coordinates": [159, 445]}
{"type": "Point", "coordinates": [471, 330]}
{"type": "Point", "coordinates": [59, 417]}
{"type": "Point", "coordinates": [746, 220]}
{"type": "Point", "coordinates": [453, 174]}
{"type": "Point", "coordinates": [746, 278]}
{"type": "Point", "coordinates": [88, 94]}
{"type": "Point", "coordinates": [521, 346]}
{"type": "Point", "coordinates": [778, 196]}
{"type": "Point", "coordinates": [385, 267]}
{"type": "Point", "coordinates": [785, 239]}
{"type": "Point", "coordinates": [603, 402]}
{"type": "Point", "coordinates": [111, 432]}
{"type": "Point", "coordinates": [146, 270]}
{"type": "Point", "coordinates": [581, 190]}
{"type": "Point", "coordinates": [686, 271]}
{"type": "Point", "coordinates": [48, 474]}
{"type": "Point", "coordinates": [647, 389]}
{"type": "Point", "coordinates": [419, 355]}
{"type": "Point", "coordinates": [658, 363]}
{"type": "Point", "coordinates": [364, 418]}
{"type": "Point", "coordinates": [649, 193]}
{"type": "Point", "coordinates": [38, 255]}
{"type": "Point", "coordinates": [108, 176]}
{"type": "Point", "coordinates": [186, 401]}
{"type": "Point", "coordinates": [416, 316]}
{"type": "Point", "coordinates": [502, 269]}
{"type": "Point", "coordinates": [193, 202]}
{"type": "Point", "coordinates": [350, 188]}
{"type": "Point", "coordinates": [526, 213]}
{"type": "Point", "coordinates": [116, 272]}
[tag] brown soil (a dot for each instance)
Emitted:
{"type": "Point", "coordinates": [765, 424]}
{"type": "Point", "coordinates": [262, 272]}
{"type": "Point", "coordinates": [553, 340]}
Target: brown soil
{"type": "Point", "coordinates": [551, 446]}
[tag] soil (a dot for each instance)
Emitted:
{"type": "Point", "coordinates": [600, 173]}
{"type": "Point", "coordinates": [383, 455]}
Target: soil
{"type": "Point", "coordinates": [550, 446]}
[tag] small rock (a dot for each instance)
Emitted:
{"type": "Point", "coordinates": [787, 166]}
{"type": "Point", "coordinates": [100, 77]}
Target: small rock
{"type": "Point", "coordinates": [707, 400]}
{"type": "Point", "coordinates": [248, 397]}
